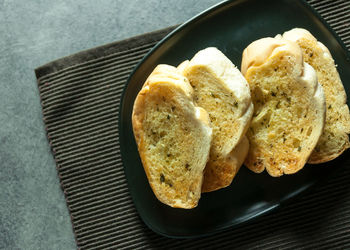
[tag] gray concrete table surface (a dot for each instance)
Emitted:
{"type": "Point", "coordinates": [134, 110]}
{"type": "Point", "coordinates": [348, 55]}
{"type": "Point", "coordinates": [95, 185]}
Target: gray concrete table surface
{"type": "Point", "coordinates": [33, 212]}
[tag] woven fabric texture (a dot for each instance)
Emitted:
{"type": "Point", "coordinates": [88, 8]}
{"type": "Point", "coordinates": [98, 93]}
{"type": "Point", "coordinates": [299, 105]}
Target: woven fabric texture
{"type": "Point", "coordinates": [80, 101]}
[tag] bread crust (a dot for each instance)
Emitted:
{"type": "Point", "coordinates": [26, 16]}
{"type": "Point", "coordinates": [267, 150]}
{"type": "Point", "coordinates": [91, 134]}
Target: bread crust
{"type": "Point", "coordinates": [274, 58]}
{"type": "Point", "coordinates": [173, 87]}
{"type": "Point", "coordinates": [226, 155]}
{"type": "Point", "coordinates": [337, 125]}
{"type": "Point", "coordinates": [220, 173]}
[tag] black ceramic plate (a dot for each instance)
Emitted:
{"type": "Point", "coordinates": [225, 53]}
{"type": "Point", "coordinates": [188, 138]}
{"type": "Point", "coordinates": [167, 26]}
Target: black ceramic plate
{"type": "Point", "coordinates": [229, 26]}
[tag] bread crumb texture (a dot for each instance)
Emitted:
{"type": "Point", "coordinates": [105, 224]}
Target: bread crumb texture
{"type": "Point", "coordinates": [289, 107]}
{"type": "Point", "coordinates": [173, 138]}
{"type": "Point", "coordinates": [222, 91]}
{"type": "Point", "coordinates": [334, 139]}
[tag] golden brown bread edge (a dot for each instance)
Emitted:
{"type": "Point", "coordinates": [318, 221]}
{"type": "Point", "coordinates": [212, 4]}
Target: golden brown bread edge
{"type": "Point", "coordinates": [334, 139]}
{"type": "Point", "coordinates": [225, 169]}
{"type": "Point", "coordinates": [184, 194]}
{"type": "Point", "coordinates": [214, 78]}
{"type": "Point", "coordinates": [268, 58]}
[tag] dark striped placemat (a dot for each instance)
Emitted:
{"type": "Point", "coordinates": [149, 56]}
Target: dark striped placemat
{"type": "Point", "coordinates": [80, 95]}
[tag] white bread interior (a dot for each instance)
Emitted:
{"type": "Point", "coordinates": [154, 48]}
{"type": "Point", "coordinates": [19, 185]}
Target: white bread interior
{"type": "Point", "coordinates": [222, 91]}
{"type": "Point", "coordinates": [334, 139]}
{"type": "Point", "coordinates": [289, 106]}
{"type": "Point", "coordinates": [173, 137]}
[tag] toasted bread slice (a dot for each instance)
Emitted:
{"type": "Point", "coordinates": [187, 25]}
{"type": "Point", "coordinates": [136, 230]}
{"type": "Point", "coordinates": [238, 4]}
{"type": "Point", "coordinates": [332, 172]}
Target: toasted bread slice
{"type": "Point", "coordinates": [173, 137]}
{"type": "Point", "coordinates": [222, 91]}
{"type": "Point", "coordinates": [334, 139]}
{"type": "Point", "coordinates": [289, 106]}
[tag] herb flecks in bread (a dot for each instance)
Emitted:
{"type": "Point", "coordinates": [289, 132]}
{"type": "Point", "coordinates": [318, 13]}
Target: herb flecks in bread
{"type": "Point", "coordinates": [222, 91]}
{"type": "Point", "coordinates": [289, 106]}
{"type": "Point", "coordinates": [220, 172]}
{"type": "Point", "coordinates": [173, 137]}
{"type": "Point", "coordinates": [334, 139]}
